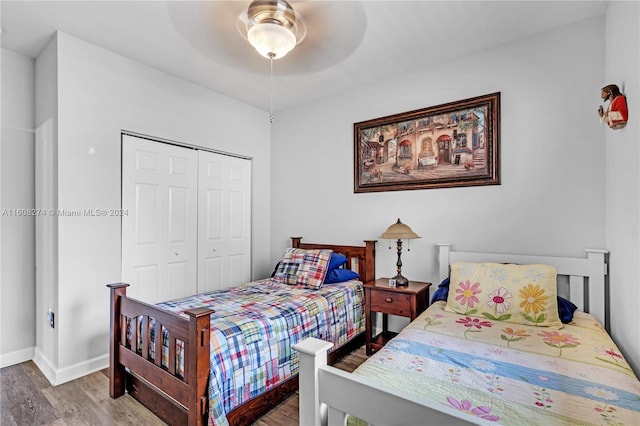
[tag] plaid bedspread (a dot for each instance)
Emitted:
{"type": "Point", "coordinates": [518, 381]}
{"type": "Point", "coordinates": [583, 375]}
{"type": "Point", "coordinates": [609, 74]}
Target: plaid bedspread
{"type": "Point", "coordinates": [254, 326]}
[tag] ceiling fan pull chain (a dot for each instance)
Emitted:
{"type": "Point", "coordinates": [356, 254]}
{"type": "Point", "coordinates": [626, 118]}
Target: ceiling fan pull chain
{"type": "Point", "coordinates": [271, 55]}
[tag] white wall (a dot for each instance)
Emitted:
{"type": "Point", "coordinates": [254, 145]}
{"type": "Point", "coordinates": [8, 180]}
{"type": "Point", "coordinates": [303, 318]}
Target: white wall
{"type": "Point", "coordinates": [552, 155]}
{"type": "Point", "coordinates": [46, 188]}
{"type": "Point", "coordinates": [17, 260]}
{"type": "Point", "coordinates": [552, 197]}
{"type": "Point", "coordinates": [623, 178]}
{"type": "Point", "coordinates": [100, 94]}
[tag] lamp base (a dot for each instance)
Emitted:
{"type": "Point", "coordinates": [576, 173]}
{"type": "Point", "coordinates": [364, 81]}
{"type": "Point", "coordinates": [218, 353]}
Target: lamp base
{"type": "Point", "coordinates": [400, 280]}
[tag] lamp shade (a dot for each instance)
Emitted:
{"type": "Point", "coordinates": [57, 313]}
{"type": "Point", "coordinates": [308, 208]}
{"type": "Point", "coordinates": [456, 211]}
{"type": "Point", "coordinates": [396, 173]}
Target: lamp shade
{"type": "Point", "coordinates": [399, 231]}
{"type": "Point", "coordinates": [271, 40]}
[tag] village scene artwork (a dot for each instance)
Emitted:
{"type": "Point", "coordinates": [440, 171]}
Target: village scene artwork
{"type": "Point", "coordinates": [449, 148]}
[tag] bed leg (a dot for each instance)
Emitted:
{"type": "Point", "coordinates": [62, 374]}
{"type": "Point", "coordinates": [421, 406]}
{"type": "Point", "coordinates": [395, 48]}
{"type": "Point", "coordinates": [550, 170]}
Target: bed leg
{"type": "Point", "coordinates": [197, 368]}
{"type": "Point", "coordinates": [116, 371]}
{"type": "Point", "coordinates": [312, 355]}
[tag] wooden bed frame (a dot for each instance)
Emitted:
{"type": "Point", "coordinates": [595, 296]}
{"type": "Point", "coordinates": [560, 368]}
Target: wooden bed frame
{"type": "Point", "coordinates": [183, 401]}
{"type": "Point", "coordinates": [327, 394]}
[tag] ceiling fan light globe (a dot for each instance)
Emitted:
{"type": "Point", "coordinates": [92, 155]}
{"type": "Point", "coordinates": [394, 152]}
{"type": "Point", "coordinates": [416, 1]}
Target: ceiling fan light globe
{"type": "Point", "coordinates": [271, 40]}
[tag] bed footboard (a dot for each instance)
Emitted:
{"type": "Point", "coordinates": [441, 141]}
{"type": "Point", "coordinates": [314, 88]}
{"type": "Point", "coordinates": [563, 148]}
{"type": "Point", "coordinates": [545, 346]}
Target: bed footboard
{"type": "Point", "coordinates": [178, 397]}
{"type": "Point", "coordinates": [327, 395]}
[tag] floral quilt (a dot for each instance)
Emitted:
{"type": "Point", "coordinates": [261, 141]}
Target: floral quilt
{"type": "Point", "coordinates": [512, 374]}
{"type": "Point", "coordinates": [254, 326]}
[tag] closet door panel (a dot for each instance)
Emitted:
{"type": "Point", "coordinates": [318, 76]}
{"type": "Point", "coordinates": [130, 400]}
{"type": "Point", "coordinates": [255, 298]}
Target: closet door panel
{"type": "Point", "coordinates": [237, 206]}
{"type": "Point", "coordinates": [213, 273]}
{"type": "Point", "coordinates": [145, 280]}
{"type": "Point", "coordinates": [179, 280]}
{"type": "Point", "coordinates": [224, 185]}
{"type": "Point", "coordinates": [213, 218]}
{"type": "Point", "coordinates": [237, 266]}
{"type": "Point", "coordinates": [159, 242]}
{"type": "Point", "coordinates": [189, 224]}
{"type": "Point", "coordinates": [146, 214]}
{"type": "Point", "coordinates": [181, 227]}
{"type": "Point", "coordinates": [178, 215]}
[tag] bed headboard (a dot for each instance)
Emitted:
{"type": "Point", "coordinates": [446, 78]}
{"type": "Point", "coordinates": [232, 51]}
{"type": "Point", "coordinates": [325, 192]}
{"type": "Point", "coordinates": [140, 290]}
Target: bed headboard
{"type": "Point", "coordinates": [361, 259]}
{"type": "Point", "coordinates": [587, 276]}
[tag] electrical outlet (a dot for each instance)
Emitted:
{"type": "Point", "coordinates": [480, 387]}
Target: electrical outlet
{"type": "Point", "coordinates": [51, 318]}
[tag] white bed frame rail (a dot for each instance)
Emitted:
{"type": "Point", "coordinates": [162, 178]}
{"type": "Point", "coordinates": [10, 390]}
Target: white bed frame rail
{"type": "Point", "coordinates": [328, 395]}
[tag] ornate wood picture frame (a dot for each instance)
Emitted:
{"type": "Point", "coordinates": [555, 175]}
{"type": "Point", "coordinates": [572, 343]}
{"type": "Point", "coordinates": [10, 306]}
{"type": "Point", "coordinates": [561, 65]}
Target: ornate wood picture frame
{"type": "Point", "coordinates": [443, 146]}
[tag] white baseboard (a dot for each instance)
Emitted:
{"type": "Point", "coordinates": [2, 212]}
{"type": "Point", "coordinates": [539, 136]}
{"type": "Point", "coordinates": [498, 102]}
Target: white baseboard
{"type": "Point", "coordinates": [58, 376]}
{"type": "Point", "coordinates": [67, 374]}
{"type": "Point", "coordinates": [16, 357]}
{"type": "Point", "coordinates": [45, 366]}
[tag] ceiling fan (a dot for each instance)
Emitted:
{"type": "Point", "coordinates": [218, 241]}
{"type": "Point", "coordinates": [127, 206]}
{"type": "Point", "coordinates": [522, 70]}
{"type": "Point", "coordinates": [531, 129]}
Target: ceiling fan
{"type": "Point", "coordinates": [326, 32]}
{"type": "Point", "coordinates": [272, 27]}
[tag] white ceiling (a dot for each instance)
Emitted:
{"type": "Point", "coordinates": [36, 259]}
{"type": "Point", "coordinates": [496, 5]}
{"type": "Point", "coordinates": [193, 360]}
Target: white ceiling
{"type": "Point", "coordinates": [348, 43]}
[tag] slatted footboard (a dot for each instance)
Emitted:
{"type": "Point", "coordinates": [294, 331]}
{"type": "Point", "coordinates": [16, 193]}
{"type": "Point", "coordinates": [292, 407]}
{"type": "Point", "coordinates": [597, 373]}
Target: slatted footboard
{"type": "Point", "coordinates": [176, 396]}
{"type": "Point", "coordinates": [181, 399]}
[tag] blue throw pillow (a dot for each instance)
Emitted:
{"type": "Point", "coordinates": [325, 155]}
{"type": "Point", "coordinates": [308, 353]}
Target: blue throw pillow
{"type": "Point", "coordinates": [339, 275]}
{"type": "Point", "coordinates": [565, 307]}
{"type": "Point", "coordinates": [336, 260]}
{"type": "Point", "coordinates": [566, 310]}
{"type": "Point", "coordinates": [442, 292]}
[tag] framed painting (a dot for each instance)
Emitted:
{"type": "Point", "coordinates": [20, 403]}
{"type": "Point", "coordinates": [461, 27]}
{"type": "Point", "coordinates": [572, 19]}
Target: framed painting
{"type": "Point", "coordinates": [443, 146]}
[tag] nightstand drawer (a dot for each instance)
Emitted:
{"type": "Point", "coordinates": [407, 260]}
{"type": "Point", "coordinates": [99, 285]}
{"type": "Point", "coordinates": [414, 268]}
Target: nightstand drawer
{"type": "Point", "coordinates": [392, 303]}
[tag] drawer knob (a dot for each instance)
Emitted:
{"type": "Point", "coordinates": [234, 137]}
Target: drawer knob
{"type": "Point", "coordinates": [388, 300]}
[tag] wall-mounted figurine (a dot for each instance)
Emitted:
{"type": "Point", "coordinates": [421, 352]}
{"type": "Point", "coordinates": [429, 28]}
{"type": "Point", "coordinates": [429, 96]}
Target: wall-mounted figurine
{"type": "Point", "coordinates": [616, 114]}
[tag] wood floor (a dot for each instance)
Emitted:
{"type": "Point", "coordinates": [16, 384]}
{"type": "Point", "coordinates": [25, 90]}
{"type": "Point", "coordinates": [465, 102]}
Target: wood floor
{"type": "Point", "coordinates": [29, 399]}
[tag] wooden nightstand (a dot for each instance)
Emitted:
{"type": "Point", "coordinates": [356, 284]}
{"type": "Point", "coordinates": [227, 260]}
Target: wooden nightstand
{"type": "Point", "coordinates": [406, 301]}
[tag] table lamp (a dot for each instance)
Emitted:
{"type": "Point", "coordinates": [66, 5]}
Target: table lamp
{"type": "Point", "coordinates": [399, 231]}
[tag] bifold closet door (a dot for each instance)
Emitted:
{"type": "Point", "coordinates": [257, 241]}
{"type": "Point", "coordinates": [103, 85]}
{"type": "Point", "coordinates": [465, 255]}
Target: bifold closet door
{"type": "Point", "coordinates": [159, 233]}
{"type": "Point", "coordinates": [224, 221]}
